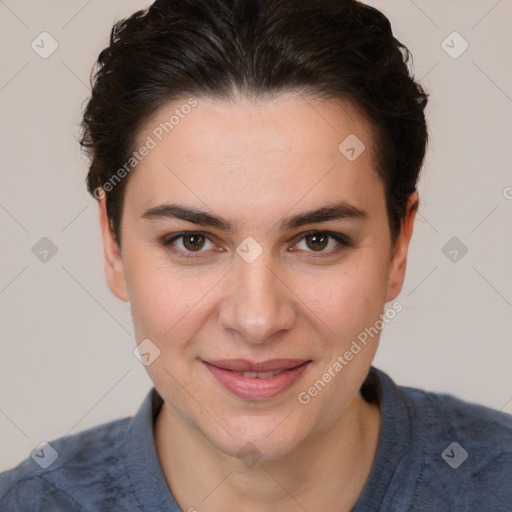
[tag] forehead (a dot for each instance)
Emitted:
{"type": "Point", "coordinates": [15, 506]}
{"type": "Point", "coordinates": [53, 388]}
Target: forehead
{"type": "Point", "coordinates": [219, 152]}
{"type": "Point", "coordinates": [292, 122]}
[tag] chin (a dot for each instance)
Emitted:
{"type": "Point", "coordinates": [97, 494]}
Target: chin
{"type": "Point", "coordinates": [252, 441]}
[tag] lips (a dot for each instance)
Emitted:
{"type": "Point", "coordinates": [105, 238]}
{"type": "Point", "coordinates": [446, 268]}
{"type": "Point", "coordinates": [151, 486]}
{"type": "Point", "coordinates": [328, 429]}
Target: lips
{"type": "Point", "coordinates": [257, 380]}
{"type": "Point", "coordinates": [242, 365]}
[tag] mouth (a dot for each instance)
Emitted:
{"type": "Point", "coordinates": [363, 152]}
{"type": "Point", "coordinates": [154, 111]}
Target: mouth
{"type": "Point", "coordinates": [257, 380]}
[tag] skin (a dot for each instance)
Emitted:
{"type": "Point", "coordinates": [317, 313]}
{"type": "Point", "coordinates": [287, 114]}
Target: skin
{"type": "Point", "coordinates": [255, 164]}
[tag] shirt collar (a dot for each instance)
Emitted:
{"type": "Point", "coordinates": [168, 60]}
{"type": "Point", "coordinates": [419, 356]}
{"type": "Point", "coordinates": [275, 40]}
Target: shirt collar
{"type": "Point", "coordinates": [395, 438]}
{"type": "Point", "coordinates": [142, 464]}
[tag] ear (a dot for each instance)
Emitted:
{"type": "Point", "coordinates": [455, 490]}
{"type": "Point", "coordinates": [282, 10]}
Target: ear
{"type": "Point", "coordinates": [114, 266]}
{"type": "Point", "coordinates": [398, 262]}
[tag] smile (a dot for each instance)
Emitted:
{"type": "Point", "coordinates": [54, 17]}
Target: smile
{"type": "Point", "coordinates": [257, 380]}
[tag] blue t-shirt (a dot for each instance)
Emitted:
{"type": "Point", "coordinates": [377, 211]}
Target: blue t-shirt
{"type": "Point", "coordinates": [436, 453]}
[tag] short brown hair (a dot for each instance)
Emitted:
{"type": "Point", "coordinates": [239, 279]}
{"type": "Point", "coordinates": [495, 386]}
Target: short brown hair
{"type": "Point", "coordinates": [327, 48]}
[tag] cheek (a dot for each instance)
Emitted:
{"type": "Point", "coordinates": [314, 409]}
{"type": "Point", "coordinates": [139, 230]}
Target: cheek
{"type": "Point", "coordinates": [346, 299]}
{"type": "Point", "coordinates": [163, 298]}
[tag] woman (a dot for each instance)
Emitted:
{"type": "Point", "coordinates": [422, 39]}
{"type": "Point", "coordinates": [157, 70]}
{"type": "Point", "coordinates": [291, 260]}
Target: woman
{"type": "Point", "coordinates": [255, 165]}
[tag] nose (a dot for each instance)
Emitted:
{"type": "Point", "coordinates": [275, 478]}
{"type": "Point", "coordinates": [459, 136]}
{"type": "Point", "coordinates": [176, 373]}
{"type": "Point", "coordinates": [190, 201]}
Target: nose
{"type": "Point", "coordinates": [258, 302]}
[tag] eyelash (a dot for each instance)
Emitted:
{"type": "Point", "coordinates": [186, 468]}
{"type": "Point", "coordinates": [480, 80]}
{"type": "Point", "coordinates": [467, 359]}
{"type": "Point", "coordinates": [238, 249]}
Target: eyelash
{"type": "Point", "coordinates": [343, 241]}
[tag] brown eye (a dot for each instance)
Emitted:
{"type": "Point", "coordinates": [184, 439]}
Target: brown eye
{"type": "Point", "coordinates": [193, 242]}
{"type": "Point", "coordinates": [324, 243]}
{"type": "Point", "coordinates": [188, 244]}
{"type": "Point", "coordinates": [317, 241]}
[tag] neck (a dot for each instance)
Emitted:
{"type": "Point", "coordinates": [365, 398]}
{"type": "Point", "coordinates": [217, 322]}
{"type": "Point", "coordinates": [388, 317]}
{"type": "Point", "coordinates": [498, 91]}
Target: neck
{"type": "Point", "coordinates": [326, 473]}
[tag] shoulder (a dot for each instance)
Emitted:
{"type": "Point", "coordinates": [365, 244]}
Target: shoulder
{"type": "Point", "coordinates": [465, 450]}
{"type": "Point", "coordinates": [56, 472]}
{"type": "Point", "coordinates": [443, 415]}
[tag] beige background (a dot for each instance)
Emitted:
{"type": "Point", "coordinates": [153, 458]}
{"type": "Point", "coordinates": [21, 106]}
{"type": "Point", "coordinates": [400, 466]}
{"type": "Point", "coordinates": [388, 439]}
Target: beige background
{"type": "Point", "coordinates": [66, 360]}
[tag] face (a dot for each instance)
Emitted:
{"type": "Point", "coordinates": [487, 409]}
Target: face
{"type": "Point", "coordinates": [256, 280]}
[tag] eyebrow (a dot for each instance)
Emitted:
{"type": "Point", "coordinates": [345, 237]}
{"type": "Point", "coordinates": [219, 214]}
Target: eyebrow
{"type": "Point", "coordinates": [336, 211]}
